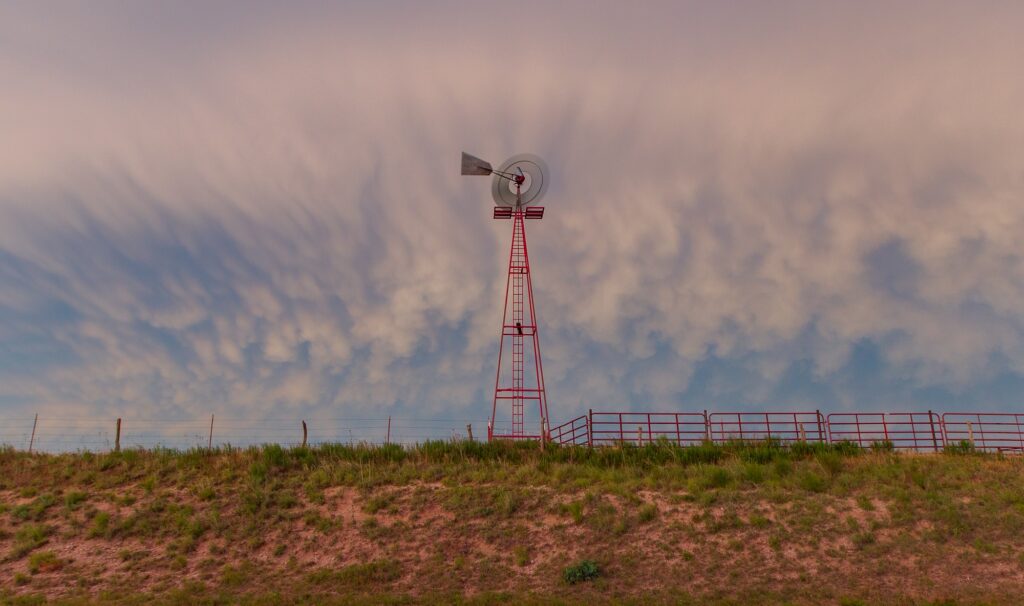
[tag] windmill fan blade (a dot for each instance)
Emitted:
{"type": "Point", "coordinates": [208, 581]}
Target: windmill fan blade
{"type": "Point", "coordinates": [471, 165]}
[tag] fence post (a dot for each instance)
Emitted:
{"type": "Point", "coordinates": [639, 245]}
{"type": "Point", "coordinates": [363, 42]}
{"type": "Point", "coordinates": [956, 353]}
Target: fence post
{"type": "Point", "coordinates": [821, 430]}
{"type": "Point", "coordinates": [639, 435]}
{"type": "Point", "coordinates": [970, 434]}
{"type": "Point", "coordinates": [590, 427]}
{"type": "Point", "coordinates": [304, 433]}
{"type": "Point", "coordinates": [32, 440]}
{"type": "Point", "coordinates": [931, 422]}
{"type": "Point", "coordinates": [469, 431]}
{"type": "Point", "coordinates": [707, 426]}
{"type": "Point", "coordinates": [803, 433]}
{"type": "Point", "coordinates": [1020, 435]}
{"type": "Point", "coordinates": [117, 436]}
{"type": "Point", "coordinates": [387, 441]}
{"type": "Point", "coordinates": [209, 443]}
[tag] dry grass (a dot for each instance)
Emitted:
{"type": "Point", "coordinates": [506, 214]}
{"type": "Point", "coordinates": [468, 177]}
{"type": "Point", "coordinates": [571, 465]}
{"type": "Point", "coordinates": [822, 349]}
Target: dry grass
{"type": "Point", "coordinates": [500, 524]}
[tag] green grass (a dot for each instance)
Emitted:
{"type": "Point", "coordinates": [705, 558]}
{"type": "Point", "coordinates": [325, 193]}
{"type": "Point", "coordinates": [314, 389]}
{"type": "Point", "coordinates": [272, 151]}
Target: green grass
{"type": "Point", "coordinates": [43, 561]}
{"type": "Point", "coordinates": [505, 519]}
{"type": "Point", "coordinates": [357, 576]}
{"type": "Point", "coordinates": [27, 538]}
{"type": "Point", "coordinates": [586, 570]}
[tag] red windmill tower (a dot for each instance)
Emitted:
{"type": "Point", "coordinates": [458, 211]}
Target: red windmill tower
{"type": "Point", "coordinates": [516, 188]}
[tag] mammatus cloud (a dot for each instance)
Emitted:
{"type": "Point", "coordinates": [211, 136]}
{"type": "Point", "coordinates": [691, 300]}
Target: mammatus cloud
{"type": "Point", "coordinates": [795, 208]}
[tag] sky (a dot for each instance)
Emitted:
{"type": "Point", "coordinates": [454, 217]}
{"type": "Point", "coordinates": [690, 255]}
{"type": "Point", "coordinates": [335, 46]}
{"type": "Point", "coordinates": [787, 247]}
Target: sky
{"type": "Point", "coordinates": [255, 209]}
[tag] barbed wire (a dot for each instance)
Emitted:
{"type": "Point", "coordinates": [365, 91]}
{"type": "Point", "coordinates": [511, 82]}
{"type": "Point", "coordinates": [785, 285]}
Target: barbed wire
{"type": "Point", "coordinates": [71, 433]}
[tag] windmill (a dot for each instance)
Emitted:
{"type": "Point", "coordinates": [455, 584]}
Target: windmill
{"type": "Point", "coordinates": [517, 185]}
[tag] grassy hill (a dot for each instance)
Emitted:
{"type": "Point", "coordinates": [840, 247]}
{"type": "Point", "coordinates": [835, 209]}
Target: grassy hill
{"type": "Point", "coordinates": [510, 523]}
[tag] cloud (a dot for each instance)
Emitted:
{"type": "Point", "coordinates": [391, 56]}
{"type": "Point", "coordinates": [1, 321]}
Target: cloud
{"type": "Point", "coordinates": [749, 207]}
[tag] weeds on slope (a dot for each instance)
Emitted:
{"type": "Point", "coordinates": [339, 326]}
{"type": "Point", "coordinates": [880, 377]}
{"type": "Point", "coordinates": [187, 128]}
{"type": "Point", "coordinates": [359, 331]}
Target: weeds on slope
{"type": "Point", "coordinates": [258, 468]}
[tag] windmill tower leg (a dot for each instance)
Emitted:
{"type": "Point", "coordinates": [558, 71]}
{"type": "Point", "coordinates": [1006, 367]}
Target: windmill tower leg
{"type": "Point", "coordinates": [520, 380]}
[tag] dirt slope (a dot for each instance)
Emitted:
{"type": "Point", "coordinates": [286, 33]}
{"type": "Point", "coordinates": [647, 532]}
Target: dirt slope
{"type": "Point", "coordinates": [319, 526]}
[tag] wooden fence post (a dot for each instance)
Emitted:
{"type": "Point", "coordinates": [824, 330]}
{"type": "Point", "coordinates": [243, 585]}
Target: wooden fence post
{"type": "Point", "coordinates": [304, 433]}
{"type": "Point", "coordinates": [209, 443]}
{"type": "Point", "coordinates": [970, 433]}
{"type": "Point", "coordinates": [469, 431]}
{"type": "Point", "coordinates": [117, 436]}
{"type": "Point", "coordinates": [388, 439]}
{"type": "Point", "coordinates": [32, 440]}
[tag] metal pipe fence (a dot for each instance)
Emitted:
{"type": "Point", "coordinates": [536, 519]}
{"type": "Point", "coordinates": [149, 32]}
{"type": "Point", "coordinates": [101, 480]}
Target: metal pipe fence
{"type": "Point", "coordinates": [779, 426]}
{"type": "Point", "coordinates": [926, 431]}
{"type": "Point", "coordinates": [992, 432]}
{"type": "Point", "coordinates": [680, 428]}
{"type": "Point", "coordinates": [918, 431]}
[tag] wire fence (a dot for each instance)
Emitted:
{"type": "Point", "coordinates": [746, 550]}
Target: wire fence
{"type": "Point", "coordinates": [925, 431]}
{"type": "Point", "coordinates": [42, 433]}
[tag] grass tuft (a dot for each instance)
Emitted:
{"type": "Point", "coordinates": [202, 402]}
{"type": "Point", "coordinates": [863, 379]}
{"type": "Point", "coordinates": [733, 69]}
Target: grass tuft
{"type": "Point", "coordinates": [587, 570]}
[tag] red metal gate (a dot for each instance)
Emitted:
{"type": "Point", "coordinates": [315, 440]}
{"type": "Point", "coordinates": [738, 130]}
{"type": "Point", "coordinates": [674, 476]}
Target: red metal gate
{"type": "Point", "coordinates": [679, 428]}
{"type": "Point", "coordinates": [921, 431]}
{"type": "Point", "coordinates": [576, 431]}
{"type": "Point", "coordinates": [989, 431]}
{"type": "Point", "coordinates": [780, 426]}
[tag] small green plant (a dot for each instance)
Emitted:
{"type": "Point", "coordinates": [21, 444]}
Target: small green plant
{"type": "Point", "coordinates": [831, 462]}
{"type": "Point", "coordinates": [34, 510]}
{"type": "Point", "coordinates": [73, 499]}
{"type": "Point", "coordinates": [521, 555]}
{"type": "Point", "coordinates": [357, 576]}
{"type": "Point", "coordinates": [863, 539]}
{"type": "Point", "coordinates": [648, 512]}
{"type": "Point", "coordinates": [963, 447]}
{"type": "Point", "coordinates": [43, 561]}
{"type": "Point", "coordinates": [782, 467]}
{"type": "Point", "coordinates": [716, 477]}
{"type": "Point", "coordinates": [378, 503]}
{"type": "Point", "coordinates": [753, 473]}
{"type": "Point", "coordinates": [812, 482]}
{"type": "Point", "coordinates": [759, 521]}
{"type": "Point", "coordinates": [586, 570]}
{"type": "Point", "coordinates": [233, 576]}
{"type": "Point", "coordinates": [206, 493]}
{"type": "Point", "coordinates": [20, 578]}
{"type": "Point", "coordinates": [28, 538]}
{"type": "Point", "coordinates": [573, 510]}
{"type": "Point", "coordinates": [100, 526]}
{"type": "Point", "coordinates": [864, 502]}
{"type": "Point", "coordinates": [148, 484]}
